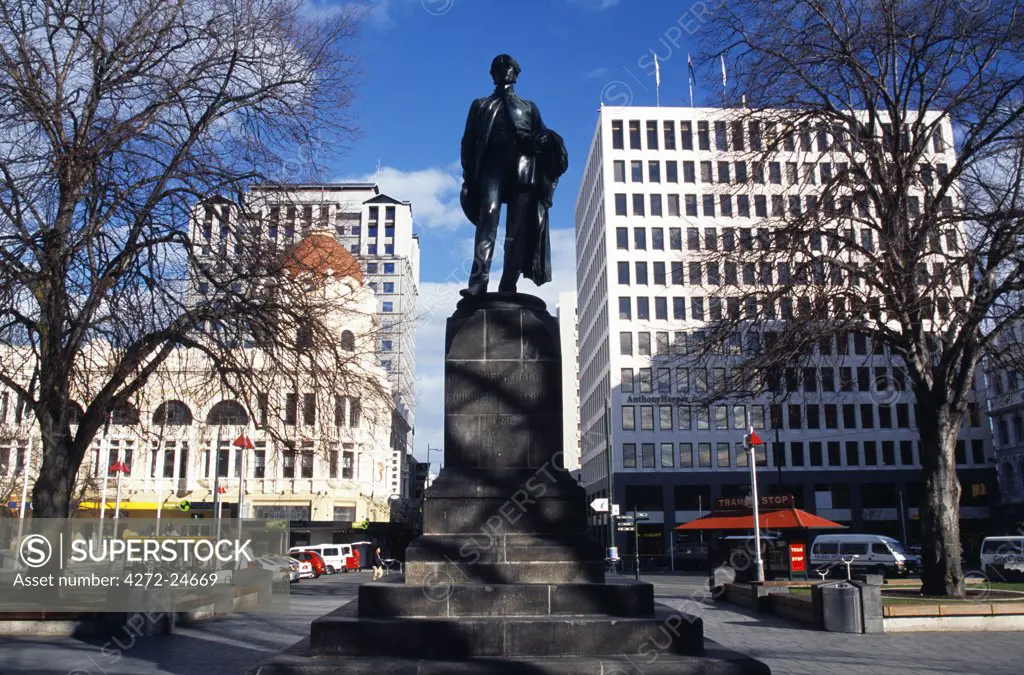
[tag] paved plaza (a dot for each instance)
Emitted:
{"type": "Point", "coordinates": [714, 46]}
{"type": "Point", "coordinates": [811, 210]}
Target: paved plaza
{"type": "Point", "coordinates": [232, 646]}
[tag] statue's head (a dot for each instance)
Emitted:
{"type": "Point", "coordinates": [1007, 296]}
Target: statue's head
{"type": "Point", "coordinates": [504, 70]}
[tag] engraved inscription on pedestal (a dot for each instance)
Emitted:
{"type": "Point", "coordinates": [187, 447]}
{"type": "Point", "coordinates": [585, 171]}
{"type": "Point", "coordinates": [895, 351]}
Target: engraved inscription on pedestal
{"type": "Point", "coordinates": [501, 414]}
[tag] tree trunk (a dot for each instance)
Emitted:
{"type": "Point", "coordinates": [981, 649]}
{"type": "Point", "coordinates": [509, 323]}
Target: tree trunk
{"type": "Point", "coordinates": [52, 492]}
{"type": "Point", "coordinates": [940, 511]}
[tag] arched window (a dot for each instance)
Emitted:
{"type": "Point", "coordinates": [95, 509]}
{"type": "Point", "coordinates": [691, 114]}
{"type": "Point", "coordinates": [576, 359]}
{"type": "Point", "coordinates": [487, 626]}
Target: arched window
{"type": "Point", "coordinates": [227, 413]}
{"type": "Point", "coordinates": [172, 413]}
{"type": "Point", "coordinates": [348, 341]}
{"type": "Point", "coordinates": [124, 415]}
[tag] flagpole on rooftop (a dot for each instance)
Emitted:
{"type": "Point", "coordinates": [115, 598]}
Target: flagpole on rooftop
{"type": "Point", "coordinates": [657, 82]}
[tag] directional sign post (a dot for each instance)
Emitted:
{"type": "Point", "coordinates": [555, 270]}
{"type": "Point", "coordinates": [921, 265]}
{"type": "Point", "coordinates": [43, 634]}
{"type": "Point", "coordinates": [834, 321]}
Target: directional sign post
{"type": "Point", "coordinates": [637, 516]}
{"type": "Point", "coordinates": [615, 509]}
{"type": "Point", "coordinates": [600, 505]}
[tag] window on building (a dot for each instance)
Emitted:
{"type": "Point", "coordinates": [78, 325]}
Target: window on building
{"type": "Point", "coordinates": [686, 135]}
{"type": "Point", "coordinates": [629, 455]}
{"type": "Point", "coordinates": [308, 409]}
{"type": "Point", "coordinates": [617, 140]}
{"type": "Point", "coordinates": [626, 378]}
{"type": "Point", "coordinates": [628, 418]}
{"type": "Point", "coordinates": [704, 455]}
{"type": "Point", "coordinates": [647, 455]}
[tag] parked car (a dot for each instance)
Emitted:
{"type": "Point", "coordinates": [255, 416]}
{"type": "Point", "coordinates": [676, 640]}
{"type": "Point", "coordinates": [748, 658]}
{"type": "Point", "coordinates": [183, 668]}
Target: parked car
{"type": "Point", "coordinates": [871, 553]}
{"type": "Point", "coordinates": [335, 556]}
{"type": "Point", "coordinates": [1002, 558]}
{"type": "Point", "coordinates": [303, 569]}
{"type": "Point", "coordinates": [314, 559]}
{"type": "Point", "coordinates": [279, 566]}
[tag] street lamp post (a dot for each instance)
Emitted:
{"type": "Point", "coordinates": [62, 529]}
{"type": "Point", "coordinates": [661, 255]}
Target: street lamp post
{"type": "Point", "coordinates": [119, 468]}
{"type": "Point", "coordinates": [751, 441]}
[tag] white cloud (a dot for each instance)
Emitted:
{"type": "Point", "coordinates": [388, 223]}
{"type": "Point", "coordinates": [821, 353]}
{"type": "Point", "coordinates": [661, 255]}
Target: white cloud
{"type": "Point", "coordinates": [596, 74]}
{"type": "Point", "coordinates": [434, 193]}
{"type": "Point", "coordinates": [437, 302]}
{"type": "Point", "coordinates": [599, 5]}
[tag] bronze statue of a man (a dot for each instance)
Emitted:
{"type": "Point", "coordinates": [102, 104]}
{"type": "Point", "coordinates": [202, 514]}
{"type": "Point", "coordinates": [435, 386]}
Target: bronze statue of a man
{"type": "Point", "coordinates": [509, 157]}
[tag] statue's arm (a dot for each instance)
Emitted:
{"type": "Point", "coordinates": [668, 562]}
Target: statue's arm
{"type": "Point", "coordinates": [469, 143]}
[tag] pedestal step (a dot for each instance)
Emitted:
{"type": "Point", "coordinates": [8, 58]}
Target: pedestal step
{"type": "Point", "coordinates": [716, 662]}
{"type": "Point", "coordinates": [394, 600]}
{"type": "Point", "coordinates": [343, 633]}
{"type": "Point", "coordinates": [434, 560]}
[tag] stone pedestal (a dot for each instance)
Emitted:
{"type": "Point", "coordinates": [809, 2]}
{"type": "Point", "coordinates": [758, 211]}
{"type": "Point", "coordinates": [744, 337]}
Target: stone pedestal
{"type": "Point", "coordinates": [504, 577]}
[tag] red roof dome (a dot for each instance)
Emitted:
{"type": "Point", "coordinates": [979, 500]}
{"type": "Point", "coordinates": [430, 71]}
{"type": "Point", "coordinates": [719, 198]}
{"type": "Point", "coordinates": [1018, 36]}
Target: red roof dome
{"type": "Point", "coordinates": [322, 254]}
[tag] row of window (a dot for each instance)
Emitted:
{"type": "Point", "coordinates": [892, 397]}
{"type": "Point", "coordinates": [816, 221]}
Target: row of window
{"type": "Point", "coordinates": [285, 218]}
{"type": "Point", "coordinates": [371, 249]}
{"type": "Point", "coordinates": [734, 135]}
{"type": "Point", "coordinates": [736, 173]}
{"type": "Point", "coordinates": [1003, 429]}
{"type": "Point", "coordinates": [683, 342]}
{"type": "Point", "coordinates": [717, 308]}
{"type": "Point", "coordinates": [722, 205]}
{"type": "Point", "coordinates": [170, 459]}
{"type": "Point", "coordinates": [677, 273]}
{"type": "Point", "coordinates": [797, 417]}
{"type": "Point", "coordinates": [749, 239]}
{"type": "Point", "coordinates": [793, 454]}
{"type": "Point", "coordinates": [373, 268]}
{"type": "Point", "coordinates": [808, 380]}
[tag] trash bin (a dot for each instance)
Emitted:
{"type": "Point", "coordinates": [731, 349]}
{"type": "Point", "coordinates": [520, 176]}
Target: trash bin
{"type": "Point", "coordinates": [841, 607]}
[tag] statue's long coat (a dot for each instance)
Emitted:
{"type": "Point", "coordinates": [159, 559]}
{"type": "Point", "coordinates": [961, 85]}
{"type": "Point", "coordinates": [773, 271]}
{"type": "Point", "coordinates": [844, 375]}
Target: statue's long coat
{"type": "Point", "coordinates": [538, 173]}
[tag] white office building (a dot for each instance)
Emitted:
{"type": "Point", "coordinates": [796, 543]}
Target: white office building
{"type": "Point", "coordinates": [566, 312]}
{"type": "Point", "coordinates": [660, 186]}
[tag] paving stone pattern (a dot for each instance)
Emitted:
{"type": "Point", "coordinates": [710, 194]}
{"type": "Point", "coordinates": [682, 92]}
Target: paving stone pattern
{"type": "Point", "coordinates": [232, 646]}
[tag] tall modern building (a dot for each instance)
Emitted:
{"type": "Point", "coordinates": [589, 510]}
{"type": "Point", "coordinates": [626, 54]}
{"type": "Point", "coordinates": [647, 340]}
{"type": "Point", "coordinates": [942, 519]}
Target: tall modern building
{"type": "Point", "coordinates": [661, 187]}
{"type": "Point", "coordinates": [1006, 411]}
{"type": "Point", "coordinates": [378, 230]}
{"type": "Point", "coordinates": [566, 311]}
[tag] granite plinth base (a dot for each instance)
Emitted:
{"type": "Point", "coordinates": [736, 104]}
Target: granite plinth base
{"type": "Point", "coordinates": [619, 599]}
{"type": "Point", "coordinates": [345, 633]}
{"type": "Point", "coordinates": [715, 662]}
{"type": "Point", "coordinates": [481, 502]}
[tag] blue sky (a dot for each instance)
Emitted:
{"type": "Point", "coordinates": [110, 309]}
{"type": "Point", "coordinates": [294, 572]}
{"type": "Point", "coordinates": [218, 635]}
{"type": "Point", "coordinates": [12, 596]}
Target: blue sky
{"type": "Point", "coordinates": [423, 62]}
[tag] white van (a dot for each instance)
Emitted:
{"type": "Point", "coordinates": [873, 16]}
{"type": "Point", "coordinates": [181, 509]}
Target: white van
{"type": "Point", "coordinates": [1002, 558]}
{"type": "Point", "coordinates": [870, 553]}
{"type": "Point", "coordinates": [334, 555]}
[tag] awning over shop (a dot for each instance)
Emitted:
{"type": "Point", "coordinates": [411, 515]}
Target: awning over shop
{"type": "Point", "coordinates": [782, 519]}
{"type": "Point", "coordinates": [126, 506]}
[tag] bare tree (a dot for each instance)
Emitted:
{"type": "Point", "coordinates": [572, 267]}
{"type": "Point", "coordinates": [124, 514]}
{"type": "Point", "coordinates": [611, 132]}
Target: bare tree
{"type": "Point", "coordinates": [117, 119]}
{"type": "Point", "coordinates": [900, 241]}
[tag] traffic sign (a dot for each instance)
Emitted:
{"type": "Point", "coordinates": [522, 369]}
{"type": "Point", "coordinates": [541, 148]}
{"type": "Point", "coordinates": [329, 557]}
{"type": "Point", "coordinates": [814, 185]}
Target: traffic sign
{"type": "Point", "coordinates": [623, 527]}
{"type": "Point", "coordinates": [600, 505]}
{"type": "Point", "coordinates": [628, 518]}
{"type": "Point", "coordinates": [641, 515]}
{"type": "Point", "coordinates": [615, 509]}
{"type": "Point", "coordinates": [752, 439]}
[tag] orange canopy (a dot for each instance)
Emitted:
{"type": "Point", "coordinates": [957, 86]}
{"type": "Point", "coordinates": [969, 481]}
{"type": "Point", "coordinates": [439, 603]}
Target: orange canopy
{"type": "Point", "coordinates": [783, 519]}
